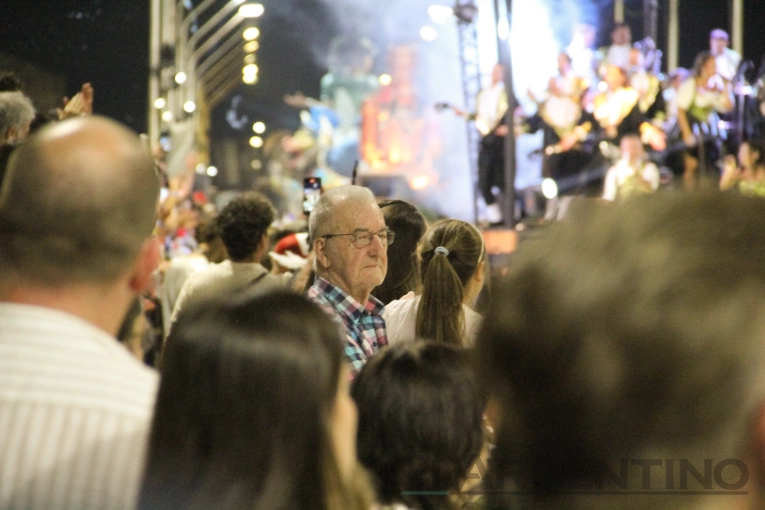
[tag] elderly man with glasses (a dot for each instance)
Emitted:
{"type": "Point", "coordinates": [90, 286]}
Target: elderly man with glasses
{"type": "Point", "coordinates": [350, 242]}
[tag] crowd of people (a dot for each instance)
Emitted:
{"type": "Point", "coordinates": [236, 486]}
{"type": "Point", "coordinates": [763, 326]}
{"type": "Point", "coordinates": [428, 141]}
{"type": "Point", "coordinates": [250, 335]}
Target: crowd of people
{"type": "Point", "coordinates": [687, 120]}
{"type": "Point", "coordinates": [156, 353]}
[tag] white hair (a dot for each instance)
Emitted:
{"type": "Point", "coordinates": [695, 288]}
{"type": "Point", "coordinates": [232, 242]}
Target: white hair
{"type": "Point", "coordinates": [323, 213]}
{"type": "Point", "coordinates": [16, 111]}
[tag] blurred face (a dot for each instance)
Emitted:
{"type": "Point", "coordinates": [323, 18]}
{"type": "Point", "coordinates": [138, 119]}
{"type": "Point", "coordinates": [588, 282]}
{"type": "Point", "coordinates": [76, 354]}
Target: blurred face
{"type": "Point", "coordinates": [615, 78]}
{"type": "Point", "coordinates": [497, 74]}
{"type": "Point", "coordinates": [564, 64]}
{"type": "Point", "coordinates": [356, 270]}
{"type": "Point", "coordinates": [345, 419]}
{"type": "Point", "coordinates": [746, 156]}
{"type": "Point", "coordinates": [631, 148]}
{"type": "Point", "coordinates": [710, 68]}
{"type": "Point", "coordinates": [717, 45]}
{"type": "Point", "coordinates": [622, 36]}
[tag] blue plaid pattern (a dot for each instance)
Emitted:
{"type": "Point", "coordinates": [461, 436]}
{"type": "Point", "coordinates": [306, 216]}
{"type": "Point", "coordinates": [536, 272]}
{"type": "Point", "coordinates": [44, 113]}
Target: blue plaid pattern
{"type": "Point", "coordinates": [363, 327]}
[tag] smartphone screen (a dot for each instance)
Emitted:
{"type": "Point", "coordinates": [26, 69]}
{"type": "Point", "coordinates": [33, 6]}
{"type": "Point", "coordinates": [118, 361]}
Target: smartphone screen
{"type": "Point", "coordinates": [311, 193]}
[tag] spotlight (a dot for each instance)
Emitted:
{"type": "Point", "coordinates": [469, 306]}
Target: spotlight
{"type": "Point", "coordinates": [250, 69]}
{"type": "Point", "coordinates": [256, 142]}
{"type": "Point", "coordinates": [251, 10]}
{"type": "Point", "coordinates": [251, 47]}
{"type": "Point", "coordinates": [549, 188]}
{"type": "Point", "coordinates": [385, 79]}
{"type": "Point", "coordinates": [440, 14]}
{"type": "Point", "coordinates": [428, 33]}
{"type": "Point", "coordinates": [180, 78]}
{"type": "Point", "coordinates": [159, 103]}
{"type": "Point", "coordinates": [250, 34]}
{"type": "Point", "coordinates": [189, 106]}
{"type": "Point", "coordinates": [259, 128]}
{"type": "Point", "coordinates": [212, 171]}
{"type": "Point", "coordinates": [167, 116]}
{"type": "Point", "coordinates": [250, 79]}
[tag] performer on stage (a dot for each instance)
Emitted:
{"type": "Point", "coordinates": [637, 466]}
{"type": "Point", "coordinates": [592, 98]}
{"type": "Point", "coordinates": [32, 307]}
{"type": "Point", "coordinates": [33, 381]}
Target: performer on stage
{"type": "Point", "coordinates": [491, 106]}
{"type": "Point", "coordinates": [698, 98]}
{"type": "Point", "coordinates": [727, 59]}
{"type": "Point", "coordinates": [618, 54]}
{"type": "Point", "coordinates": [633, 174]}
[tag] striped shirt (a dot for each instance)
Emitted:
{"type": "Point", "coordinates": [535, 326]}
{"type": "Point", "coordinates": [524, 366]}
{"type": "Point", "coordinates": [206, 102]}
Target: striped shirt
{"type": "Point", "coordinates": [363, 326]}
{"type": "Point", "coordinates": [75, 410]}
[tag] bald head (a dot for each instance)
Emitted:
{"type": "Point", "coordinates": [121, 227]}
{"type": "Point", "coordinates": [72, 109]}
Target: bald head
{"type": "Point", "coordinates": [78, 200]}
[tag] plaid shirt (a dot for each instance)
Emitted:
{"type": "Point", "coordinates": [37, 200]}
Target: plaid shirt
{"type": "Point", "coordinates": [363, 327]}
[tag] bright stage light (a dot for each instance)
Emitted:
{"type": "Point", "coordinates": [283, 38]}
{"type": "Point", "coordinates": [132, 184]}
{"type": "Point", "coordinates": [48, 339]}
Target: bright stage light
{"type": "Point", "coordinates": [440, 14]}
{"type": "Point", "coordinates": [420, 182]}
{"type": "Point", "coordinates": [385, 79]}
{"type": "Point", "coordinates": [256, 142]}
{"type": "Point", "coordinates": [249, 59]}
{"type": "Point", "coordinates": [160, 103]}
{"type": "Point", "coordinates": [250, 69]}
{"type": "Point", "coordinates": [503, 29]}
{"type": "Point", "coordinates": [251, 10]}
{"type": "Point", "coordinates": [167, 116]}
{"type": "Point", "coordinates": [428, 33]}
{"type": "Point", "coordinates": [250, 79]}
{"type": "Point", "coordinates": [250, 34]}
{"type": "Point", "coordinates": [189, 106]}
{"type": "Point", "coordinates": [212, 171]}
{"type": "Point", "coordinates": [549, 188]}
{"type": "Point", "coordinates": [603, 86]}
{"type": "Point", "coordinates": [259, 127]}
{"type": "Point", "coordinates": [251, 47]}
{"type": "Point", "coordinates": [180, 78]}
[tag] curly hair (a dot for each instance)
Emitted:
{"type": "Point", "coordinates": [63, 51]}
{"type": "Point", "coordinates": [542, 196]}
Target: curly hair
{"type": "Point", "coordinates": [242, 224]}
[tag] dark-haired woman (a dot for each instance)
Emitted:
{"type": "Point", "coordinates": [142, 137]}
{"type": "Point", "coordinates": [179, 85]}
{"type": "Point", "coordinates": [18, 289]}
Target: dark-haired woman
{"type": "Point", "coordinates": [452, 271]}
{"type": "Point", "coordinates": [420, 424]}
{"type": "Point", "coordinates": [253, 411]}
{"type": "Point", "coordinates": [403, 269]}
{"type": "Point", "coordinates": [748, 174]}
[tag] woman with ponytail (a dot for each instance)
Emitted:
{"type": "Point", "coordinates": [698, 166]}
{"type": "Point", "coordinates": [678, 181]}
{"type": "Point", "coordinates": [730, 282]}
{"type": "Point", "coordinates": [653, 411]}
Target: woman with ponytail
{"type": "Point", "coordinates": [452, 271]}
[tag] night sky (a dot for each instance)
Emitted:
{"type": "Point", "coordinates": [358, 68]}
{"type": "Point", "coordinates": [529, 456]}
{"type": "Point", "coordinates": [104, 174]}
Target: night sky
{"type": "Point", "coordinates": [106, 43]}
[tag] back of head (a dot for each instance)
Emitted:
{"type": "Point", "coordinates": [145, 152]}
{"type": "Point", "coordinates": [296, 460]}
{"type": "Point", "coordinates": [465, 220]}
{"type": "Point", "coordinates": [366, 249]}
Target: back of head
{"type": "Point", "coordinates": [403, 272]}
{"type": "Point", "coordinates": [450, 254]}
{"type": "Point", "coordinates": [420, 421]}
{"type": "Point", "coordinates": [323, 218]}
{"type": "Point", "coordinates": [78, 200]}
{"type": "Point", "coordinates": [635, 333]}
{"type": "Point", "coordinates": [700, 61]}
{"type": "Point", "coordinates": [16, 112]}
{"type": "Point", "coordinates": [243, 223]}
{"type": "Point", "coordinates": [244, 405]}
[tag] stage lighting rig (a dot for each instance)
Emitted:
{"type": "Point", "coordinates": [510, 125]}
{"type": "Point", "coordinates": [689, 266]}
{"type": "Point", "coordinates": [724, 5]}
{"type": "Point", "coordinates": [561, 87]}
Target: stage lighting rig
{"type": "Point", "coordinates": [465, 11]}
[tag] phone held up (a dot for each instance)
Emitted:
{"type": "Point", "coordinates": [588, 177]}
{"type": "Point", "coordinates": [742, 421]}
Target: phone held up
{"type": "Point", "coordinates": [311, 193]}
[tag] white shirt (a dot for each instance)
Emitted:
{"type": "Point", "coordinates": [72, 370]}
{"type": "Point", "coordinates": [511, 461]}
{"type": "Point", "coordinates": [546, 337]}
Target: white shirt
{"type": "Point", "coordinates": [173, 279]}
{"type": "Point", "coordinates": [75, 411]}
{"type": "Point", "coordinates": [619, 55]}
{"type": "Point", "coordinates": [727, 63]}
{"type": "Point", "coordinates": [622, 171]}
{"type": "Point", "coordinates": [401, 319]}
{"type": "Point", "coordinates": [489, 107]}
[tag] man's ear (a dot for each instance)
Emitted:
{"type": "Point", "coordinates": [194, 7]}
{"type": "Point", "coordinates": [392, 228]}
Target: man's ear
{"type": "Point", "coordinates": [145, 265]}
{"type": "Point", "coordinates": [320, 249]}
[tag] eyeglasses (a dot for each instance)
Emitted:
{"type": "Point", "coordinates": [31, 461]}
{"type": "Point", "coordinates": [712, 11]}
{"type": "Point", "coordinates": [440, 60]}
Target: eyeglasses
{"type": "Point", "coordinates": [362, 238]}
